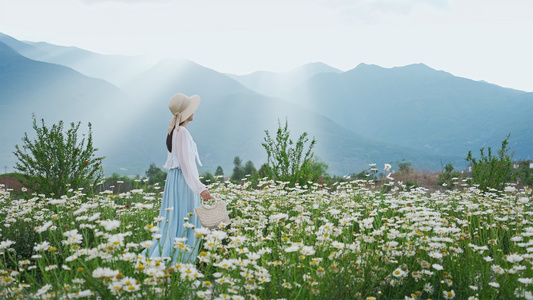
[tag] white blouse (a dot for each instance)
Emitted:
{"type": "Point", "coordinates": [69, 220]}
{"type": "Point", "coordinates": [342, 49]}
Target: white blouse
{"type": "Point", "coordinates": [183, 156]}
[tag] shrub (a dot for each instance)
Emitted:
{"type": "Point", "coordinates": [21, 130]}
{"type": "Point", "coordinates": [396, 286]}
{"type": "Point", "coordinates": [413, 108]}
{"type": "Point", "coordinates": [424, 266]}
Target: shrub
{"type": "Point", "coordinates": [524, 173]}
{"type": "Point", "coordinates": [490, 171]}
{"type": "Point", "coordinates": [446, 179]}
{"type": "Point", "coordinates": [156, 175]}
{"type": "Point", "coordinates": [118, 184]}
{"type": "Point", "coordinates": [404, 166]}
{"type": "Point", "coordinates": [287, 160]}
{"type": "Point", "coordinates": [55, 161]}
{"type": "Point", "coordinates": [410, 185]}
{"type": "Point", "coordinates": [207, 178]}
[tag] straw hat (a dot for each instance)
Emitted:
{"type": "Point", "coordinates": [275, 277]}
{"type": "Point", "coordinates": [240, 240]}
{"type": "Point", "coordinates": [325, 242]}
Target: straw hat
{"type": "Point", "coordinates": [182, 107]}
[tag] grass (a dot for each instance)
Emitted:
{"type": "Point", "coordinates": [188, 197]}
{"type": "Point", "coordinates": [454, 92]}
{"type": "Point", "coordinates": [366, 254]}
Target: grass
{"type": "Point", "coordinates": [351, 241]}
{"type": "Point", "coordinates": [13, 175]}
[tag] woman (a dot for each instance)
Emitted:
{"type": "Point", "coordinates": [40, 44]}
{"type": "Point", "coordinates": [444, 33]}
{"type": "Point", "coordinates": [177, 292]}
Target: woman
{"type": "Point", "coordinates": [182, 187]}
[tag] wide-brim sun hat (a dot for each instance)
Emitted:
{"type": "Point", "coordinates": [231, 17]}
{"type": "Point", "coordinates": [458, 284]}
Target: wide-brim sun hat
{"type": "Point", "coordinates": [182, 107]}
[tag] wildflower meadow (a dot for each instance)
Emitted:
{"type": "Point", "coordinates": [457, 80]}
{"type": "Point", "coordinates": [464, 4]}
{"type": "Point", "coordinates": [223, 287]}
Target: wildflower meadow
{"type": "Point", "coordinates": [349, 240]}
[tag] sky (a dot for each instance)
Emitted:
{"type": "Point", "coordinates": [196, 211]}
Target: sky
{"type": "Point", "coordinates": [488, 40]}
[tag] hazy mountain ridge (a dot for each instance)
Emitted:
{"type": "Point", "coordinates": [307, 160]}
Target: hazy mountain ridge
{"type": "Point", "coordinates": [26, 81]}
{"type": "Point", "coordinates": [231, 121]}
{"type": "Point", "coordinates": [52, 92]}
{"type": "Point", "coordinates": [274, 84]}
{"type": "Point", "coordinates": [118, 68]}
{"type": "Point", "coordinates": [416, 106]}
{"type": "Point", "coordinates": [358, 117]}
{"type": "Point", "coordinates": [169, 76]}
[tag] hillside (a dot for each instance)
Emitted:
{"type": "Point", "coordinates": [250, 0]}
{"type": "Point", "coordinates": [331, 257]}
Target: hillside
{"type": "Point", "coordinates": [275, 84]}
{"type": "Point", "coordinates": [366, 115]}
{"type": "Point", "coordinates": [231, 121]}
{"type": "Point", "coordinates": [422, 108]}
{"type": "Point", "coordinates": [116, 69]}
{"type": "Point", "coordinates": [52, 92]}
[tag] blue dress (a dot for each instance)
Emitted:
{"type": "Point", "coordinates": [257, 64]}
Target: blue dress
{"type": "Point", "coordinates": [179, 201]}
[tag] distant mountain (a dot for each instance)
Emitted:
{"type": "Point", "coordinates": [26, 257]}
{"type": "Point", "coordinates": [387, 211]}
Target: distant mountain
{"type": "Point", "coordinates": [231, 121]}
{"type": "Point", "coordinates": [366, 115]}
{"type": "Point", "coordinates": [16, 45]}
{"type": "Point", "coordinates": [418, 107]}
{"type": "Point", "coordinates": [275, 84]}
{"type": "Point", "coordinates": [116, 69]}
{"type": "Point", "coordinates": [169, 76]}
{"type": "Point", "coordinates": [48, 87]}
{"type": "Point", "coordinates": [52, 92]}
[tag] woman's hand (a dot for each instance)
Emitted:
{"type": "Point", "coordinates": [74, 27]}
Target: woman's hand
{"type": "Point", "coordinates": [205, 195]}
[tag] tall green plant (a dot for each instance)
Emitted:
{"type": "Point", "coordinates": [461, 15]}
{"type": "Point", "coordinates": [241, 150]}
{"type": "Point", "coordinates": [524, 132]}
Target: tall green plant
{"type": "Point", "coordinates": [55, 161]}
{"type": "Point", "coordinates": [287, 160]}
{"type": "Point", "coordinates": [491, 171]}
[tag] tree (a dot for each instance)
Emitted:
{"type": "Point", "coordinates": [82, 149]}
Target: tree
{"type": "Point", "coordinates": [249, 168]}
{"type": "Point", "coordinates": [287, 160]}
{"type": "Point", "coordinates": [155, 175]}
{"type": "Point", "coordinates": [219, 171]}
{"type": "Point", "coordinates": [264, 170]}
{"type": "Point", "coordinates": [404, 167]}
{"type": "Point", "coordinates": [55, 161]}
{"type": "Point", "coordinates": [492, 171]}
{"type": "Point", "coordinates": [238, 172]}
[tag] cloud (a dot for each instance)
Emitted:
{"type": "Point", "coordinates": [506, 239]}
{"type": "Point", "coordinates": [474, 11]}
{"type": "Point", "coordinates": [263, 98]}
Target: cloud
{"type": "Point", "coordinates": [91, 2]}
{"type": "Point", "coordinates": [376, 11]}
{"type": "Point", "coordinates": [401, 6]}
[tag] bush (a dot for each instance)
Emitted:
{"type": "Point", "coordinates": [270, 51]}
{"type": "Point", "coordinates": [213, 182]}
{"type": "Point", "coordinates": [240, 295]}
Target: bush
{"type": "Point", "coordinates": [404, 166]}
{"type": "Point", "coordinates": [287, 160]}
{"type": "Point", "coordinates": [492, 171]}
{"type": "Point", "coordinates": [207, 178]}
{"type": "Point", "coordinates": [446, 179]}
{"type": "Point", "coordinates": [523, 173]}
{"type": "Point", "coordinates": [55, 162]}
{"type": "Point", "coordinates": [156, 175]}
{"type": "Point", "coordinates": [118, 184]}
{"type": "Point", "coordinates": [410, 185]}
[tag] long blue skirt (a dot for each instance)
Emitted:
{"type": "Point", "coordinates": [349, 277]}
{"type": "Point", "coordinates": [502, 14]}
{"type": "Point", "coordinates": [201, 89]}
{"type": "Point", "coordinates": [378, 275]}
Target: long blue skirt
{"type": "Point", "coordinates": [178, 201]}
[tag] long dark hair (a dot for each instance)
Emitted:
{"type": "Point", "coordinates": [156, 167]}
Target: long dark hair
{"type": "Point", "coordinates": [169, 138]}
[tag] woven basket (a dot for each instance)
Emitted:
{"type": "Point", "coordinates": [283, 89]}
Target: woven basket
{"type": "Point", "coordinates": [211, 216]}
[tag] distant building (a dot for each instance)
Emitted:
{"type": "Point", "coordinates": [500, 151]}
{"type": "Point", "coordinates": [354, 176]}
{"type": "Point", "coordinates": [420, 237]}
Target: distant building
{"type": "Point", "coordinates": [522, 163]}
{"type": "Point", "coordinates": [515, 164]}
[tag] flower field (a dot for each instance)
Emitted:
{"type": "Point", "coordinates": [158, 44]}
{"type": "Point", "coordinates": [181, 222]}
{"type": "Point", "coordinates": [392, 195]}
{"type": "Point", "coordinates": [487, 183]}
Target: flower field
{"type": "Point", "coordinates": [347, 241]}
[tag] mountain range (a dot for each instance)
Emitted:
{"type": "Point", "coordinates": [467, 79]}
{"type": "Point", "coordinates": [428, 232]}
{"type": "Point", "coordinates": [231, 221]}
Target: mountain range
{"type": "Point", "coordinates": [365, 115]}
